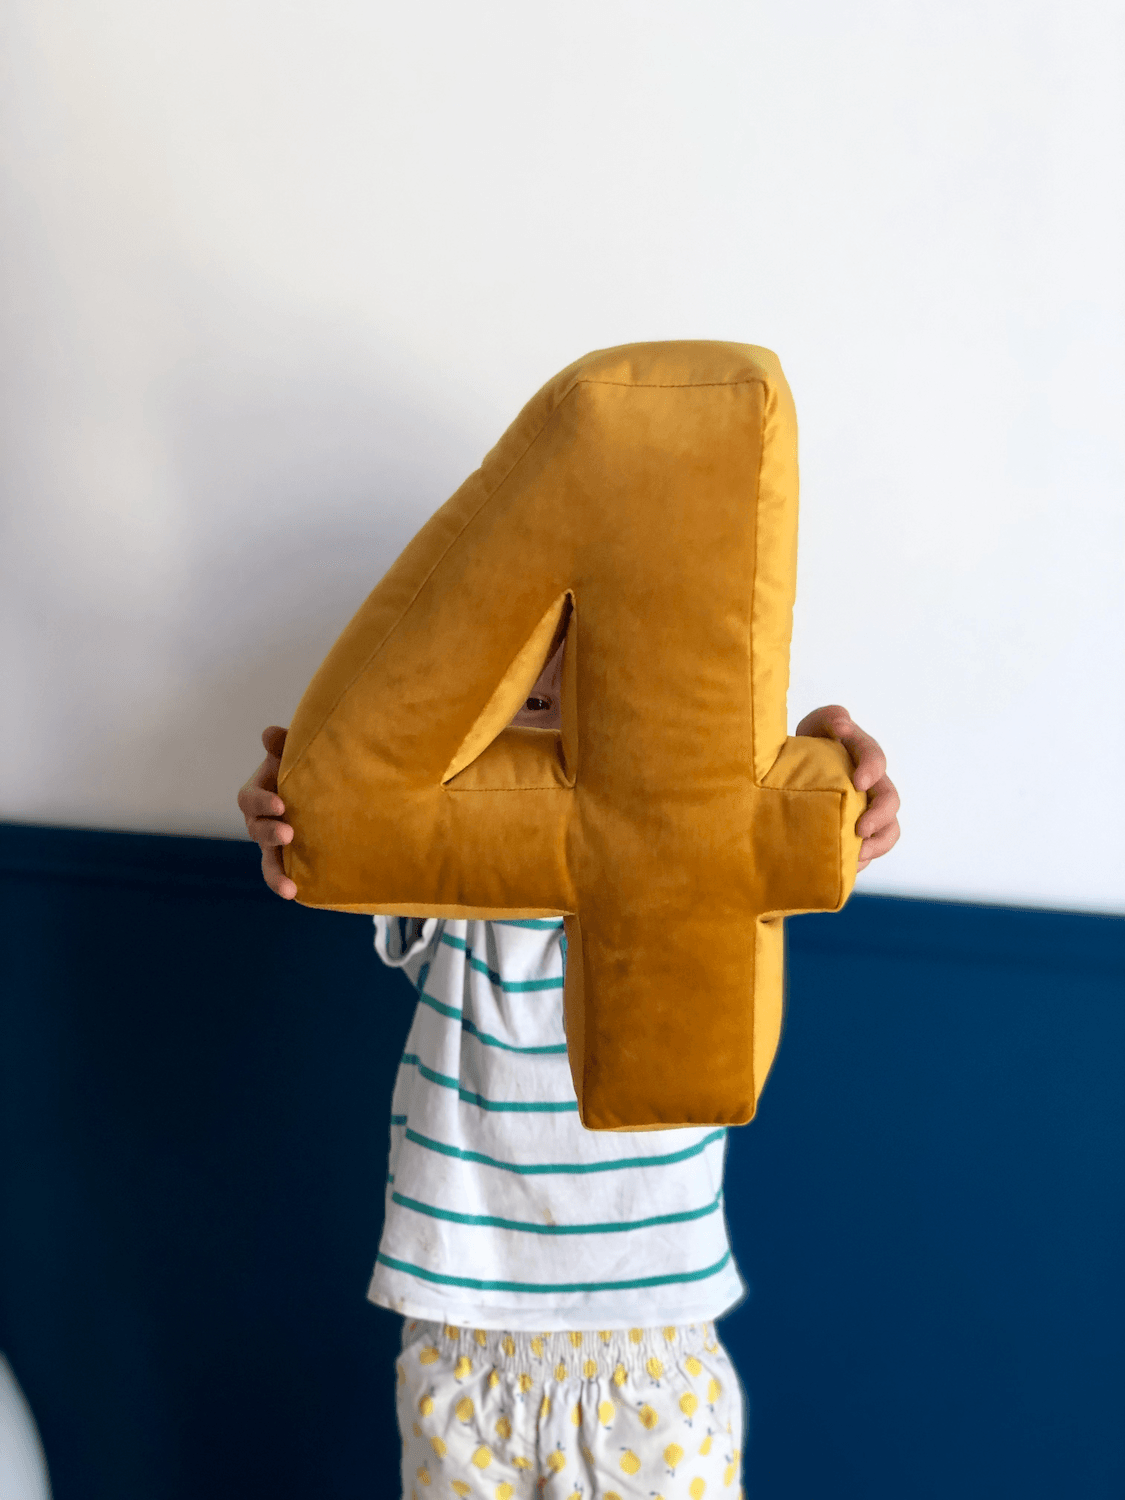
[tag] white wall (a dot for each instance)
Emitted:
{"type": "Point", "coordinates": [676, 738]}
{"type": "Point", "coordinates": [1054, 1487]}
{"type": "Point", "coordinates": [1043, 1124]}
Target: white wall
{"type": "Point", "coordinates": [278, 275]}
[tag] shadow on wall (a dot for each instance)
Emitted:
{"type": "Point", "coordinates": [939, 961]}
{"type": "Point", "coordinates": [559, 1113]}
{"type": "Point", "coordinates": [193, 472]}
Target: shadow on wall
{"type": "Point", "coordinates": [201, 537]}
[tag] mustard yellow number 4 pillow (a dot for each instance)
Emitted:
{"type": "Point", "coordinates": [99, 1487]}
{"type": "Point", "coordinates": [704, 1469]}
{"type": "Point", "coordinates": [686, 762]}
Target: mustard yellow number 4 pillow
{"type": "Point", "coordinates": [644, 504]}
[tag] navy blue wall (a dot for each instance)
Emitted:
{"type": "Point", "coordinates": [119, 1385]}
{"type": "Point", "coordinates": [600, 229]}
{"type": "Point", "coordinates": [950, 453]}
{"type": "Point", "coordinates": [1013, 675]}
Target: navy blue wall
{"type": "Point", "coordinates": [194, 1084]}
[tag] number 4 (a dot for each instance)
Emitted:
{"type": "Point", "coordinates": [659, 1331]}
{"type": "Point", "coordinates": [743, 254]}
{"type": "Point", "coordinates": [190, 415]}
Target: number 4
{"type": "Point", "coordinates": [644, 503]}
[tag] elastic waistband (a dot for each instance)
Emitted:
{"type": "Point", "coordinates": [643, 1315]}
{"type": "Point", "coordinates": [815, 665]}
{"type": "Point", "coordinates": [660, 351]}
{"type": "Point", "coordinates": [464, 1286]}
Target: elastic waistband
{"type": "Point", "coordinates": [563, 1355]}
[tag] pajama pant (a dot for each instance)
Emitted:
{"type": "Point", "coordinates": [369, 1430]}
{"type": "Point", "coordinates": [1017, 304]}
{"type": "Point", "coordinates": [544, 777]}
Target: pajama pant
{"type": "Point", "coordinates": [633, 1414]}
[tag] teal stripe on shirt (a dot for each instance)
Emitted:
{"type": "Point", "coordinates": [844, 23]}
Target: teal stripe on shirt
{"type": "Point", "coordinates": [516, 1106]}
{"type": "Point", "coordinates": [553, 1286]}
{"type": "Point", "coordinates": [484, 1036]}
{"type": "Point", "coordinates": [537, 1168]}
{"type": "Point", "coordinates": [509, 986]}
{"type": "Point", "coordinates": [540, 924]}
{"type": "Point", "coordinates": [486, 1221]}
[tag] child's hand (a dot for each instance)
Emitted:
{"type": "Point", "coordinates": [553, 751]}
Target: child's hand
{"type": "Point", "coordinates": [878, 826]}
{"type": "Point", "coordinates": [262, 808]}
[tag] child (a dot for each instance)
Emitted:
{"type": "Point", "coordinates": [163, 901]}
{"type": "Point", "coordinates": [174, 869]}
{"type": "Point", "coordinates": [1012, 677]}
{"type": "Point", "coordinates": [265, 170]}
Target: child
{"type": "Point", "coordinates": [559, 1286]}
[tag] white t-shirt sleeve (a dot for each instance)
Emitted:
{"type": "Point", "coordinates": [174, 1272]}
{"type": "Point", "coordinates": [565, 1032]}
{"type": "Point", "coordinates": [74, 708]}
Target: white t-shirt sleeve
{"type": "Point", "coordinates": [399, 939]}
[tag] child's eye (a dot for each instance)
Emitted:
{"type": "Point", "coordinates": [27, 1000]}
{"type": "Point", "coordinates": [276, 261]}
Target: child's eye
{"type": "Point", "coordinates": [537, 705]}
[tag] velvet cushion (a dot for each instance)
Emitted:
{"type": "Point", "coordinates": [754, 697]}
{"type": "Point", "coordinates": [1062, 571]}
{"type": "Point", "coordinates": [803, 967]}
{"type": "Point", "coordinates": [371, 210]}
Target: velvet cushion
{"type": "Point", "coordinates": [644, 503]}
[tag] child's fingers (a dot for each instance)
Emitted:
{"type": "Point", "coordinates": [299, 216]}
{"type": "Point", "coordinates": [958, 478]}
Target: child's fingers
{"type": "Point", "coordinates": [878, 826]}
{"type": "Point", "coordinates": [262, 808]}
{"type": "Point", "coordinates": [258, 796]}
{"type": "Point", "coordinates": [878, 844]}
{"type": "Point", "coordinates": [867, 753]}
{"type": "Point", "coordinates": [273, 872]}
{"type": "Point", "coordinates": [260, 802]}
{"type": "Point", "coordinates": [833, 722]}
{"type": "Point", "coordinates": [829, 722]}
{"type": "Point", "coordinates": [269, 831]}
{"type": "Point", "coordinates": [273, 739]}
{"type": "Point", "coordinates": [882, 808]}
{"type": "Point", "coordinates": [265, 776]}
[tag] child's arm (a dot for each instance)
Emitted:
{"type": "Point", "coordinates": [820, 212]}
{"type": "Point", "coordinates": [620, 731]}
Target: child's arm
{"type": "Point", "coordinates": [878, 826]}
{"type": "Point", "coordinates": [262, 808]}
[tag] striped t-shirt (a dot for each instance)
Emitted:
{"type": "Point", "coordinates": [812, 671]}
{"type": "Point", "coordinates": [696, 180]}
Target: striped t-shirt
{"type": "Point", "coordinates": [502, 1211]}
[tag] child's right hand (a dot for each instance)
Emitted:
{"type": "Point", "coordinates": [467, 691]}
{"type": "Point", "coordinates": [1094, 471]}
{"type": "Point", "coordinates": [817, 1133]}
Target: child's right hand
{"type": "Point", "coordinates": [262, 808]}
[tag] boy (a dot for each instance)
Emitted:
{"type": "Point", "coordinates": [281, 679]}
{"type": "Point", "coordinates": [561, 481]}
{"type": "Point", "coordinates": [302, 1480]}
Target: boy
{"type": "Point", "coordinates": [559, 1286]}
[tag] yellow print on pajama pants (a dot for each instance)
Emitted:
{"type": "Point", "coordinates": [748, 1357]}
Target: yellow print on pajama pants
{"type": "Point", "coordinates": [627, 1414]}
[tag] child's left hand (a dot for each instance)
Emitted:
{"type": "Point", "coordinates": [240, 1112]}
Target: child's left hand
{"type": "Point", "coordinates": [878, 826]}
